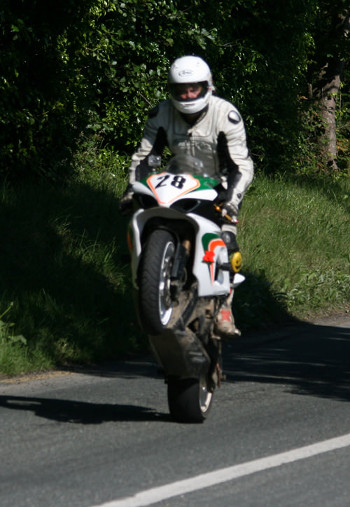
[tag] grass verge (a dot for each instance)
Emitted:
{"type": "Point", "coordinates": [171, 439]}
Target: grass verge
{"type": "Point", "coordinates": [295, 238]}
{"type": "Point", "coordinates": [65, 284]}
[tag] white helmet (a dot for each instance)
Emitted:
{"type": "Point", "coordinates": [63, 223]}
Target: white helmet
{"type": "Point", "coordinates": [190, 69]}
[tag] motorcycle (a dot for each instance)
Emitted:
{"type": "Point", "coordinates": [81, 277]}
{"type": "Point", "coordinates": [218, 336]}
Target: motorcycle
{"type": "Point", "coordinates": [181, 275]}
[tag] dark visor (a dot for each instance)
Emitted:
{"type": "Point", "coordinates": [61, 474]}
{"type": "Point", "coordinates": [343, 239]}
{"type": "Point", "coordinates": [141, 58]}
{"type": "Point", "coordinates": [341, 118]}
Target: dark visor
{"type": "Point", "coordinates": [176, 90]}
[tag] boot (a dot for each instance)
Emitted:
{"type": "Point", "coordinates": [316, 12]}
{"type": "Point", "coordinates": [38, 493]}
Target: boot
{"type": "Point", "coordinates": [225, 326]}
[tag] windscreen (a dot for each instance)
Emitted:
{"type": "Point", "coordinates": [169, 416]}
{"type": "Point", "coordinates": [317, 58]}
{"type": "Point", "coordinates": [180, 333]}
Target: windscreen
{"type": "Point", "coordinates": [186, 164]}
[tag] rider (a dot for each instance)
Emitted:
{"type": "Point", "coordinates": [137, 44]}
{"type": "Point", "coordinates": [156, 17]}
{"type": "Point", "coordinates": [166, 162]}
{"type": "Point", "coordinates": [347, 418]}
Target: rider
{"type": "Point", "coordinates": [197, 123]}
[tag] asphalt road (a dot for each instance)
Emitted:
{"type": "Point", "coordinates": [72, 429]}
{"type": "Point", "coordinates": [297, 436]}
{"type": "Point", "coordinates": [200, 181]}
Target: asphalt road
{"type": "Point", "coordinates": [278, 433]}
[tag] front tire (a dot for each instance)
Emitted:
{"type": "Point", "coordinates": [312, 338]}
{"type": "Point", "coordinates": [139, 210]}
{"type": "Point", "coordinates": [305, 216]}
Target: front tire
{"type": "Point", "coordinates": [189, 400]}
{"type": "Point", "coordinates": [155, 301]}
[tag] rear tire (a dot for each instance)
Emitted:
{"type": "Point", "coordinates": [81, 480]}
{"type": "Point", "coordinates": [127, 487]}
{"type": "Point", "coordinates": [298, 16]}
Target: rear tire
{"type": "Point", "coordinates": [189, 400]}
{"type": "Point", "coordinates": [155, 301]}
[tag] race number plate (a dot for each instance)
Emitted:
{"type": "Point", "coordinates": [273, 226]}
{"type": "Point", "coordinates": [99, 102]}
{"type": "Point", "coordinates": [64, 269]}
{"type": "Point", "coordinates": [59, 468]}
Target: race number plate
{"type": "Point", "coordinates": [168, 187]}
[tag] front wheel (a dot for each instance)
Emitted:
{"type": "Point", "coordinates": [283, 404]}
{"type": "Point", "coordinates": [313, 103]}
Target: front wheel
{"type": "Point", "coordinates": [155, 300]}
{"type": "Point", "coordinates": [189, 400]}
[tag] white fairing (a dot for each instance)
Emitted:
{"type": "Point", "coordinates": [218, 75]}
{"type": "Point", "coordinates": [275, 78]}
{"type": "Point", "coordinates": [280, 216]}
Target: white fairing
{"type": "Point", "coordinates": [210, 250]}
{"type": "Point", "coordinates": [211, 281]}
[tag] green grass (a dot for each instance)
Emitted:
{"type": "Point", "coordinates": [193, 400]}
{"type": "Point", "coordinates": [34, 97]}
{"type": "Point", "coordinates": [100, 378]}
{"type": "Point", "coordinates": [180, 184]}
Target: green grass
{"type": "Point", "coordinates": [295, 238]}
{"type": "Point", "coordinates": [63, 269]}
{"type": "Point", "coordinates": [65, 294]}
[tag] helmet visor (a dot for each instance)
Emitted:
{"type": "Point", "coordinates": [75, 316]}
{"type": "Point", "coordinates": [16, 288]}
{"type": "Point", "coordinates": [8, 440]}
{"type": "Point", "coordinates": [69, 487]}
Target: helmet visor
{"type": "Point", "coordinates": [188, 91]}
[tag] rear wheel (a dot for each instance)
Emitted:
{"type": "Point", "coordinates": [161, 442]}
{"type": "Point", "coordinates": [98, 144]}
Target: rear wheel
{"type": "Point", "coordinates": [189, 399]}
{"type": "Point", "coordinates": [155, 301]}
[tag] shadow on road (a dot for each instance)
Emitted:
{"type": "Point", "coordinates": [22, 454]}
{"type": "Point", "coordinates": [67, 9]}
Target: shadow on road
{"type": "Point", "coordinates": [78, 412]}
{"type": "Point", "coordinates": [305, 359]}
{"type": "Point", "coordinates": [308, 360]}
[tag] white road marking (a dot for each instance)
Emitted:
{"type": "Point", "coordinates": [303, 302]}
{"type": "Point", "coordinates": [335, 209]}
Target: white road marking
{"type": "Point", "coordinates": [158, 494]}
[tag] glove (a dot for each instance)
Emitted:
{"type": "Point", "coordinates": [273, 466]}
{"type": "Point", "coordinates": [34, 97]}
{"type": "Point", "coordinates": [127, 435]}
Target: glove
{"type": "Point", "coordinates": [229, 209]}
{"type": "Point", "coordinates": [125, 203]}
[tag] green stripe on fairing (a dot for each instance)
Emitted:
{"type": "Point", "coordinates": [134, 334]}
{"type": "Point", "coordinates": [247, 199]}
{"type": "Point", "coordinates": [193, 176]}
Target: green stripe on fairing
{"type": "Point", "coordinates": [207, 238]}
{"type": "Point", "coordinates": [205, 182]}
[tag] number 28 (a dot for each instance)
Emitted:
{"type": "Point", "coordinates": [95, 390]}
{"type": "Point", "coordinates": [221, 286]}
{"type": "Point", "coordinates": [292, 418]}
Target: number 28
{"type": "Point", "coordinates": [176, 181]}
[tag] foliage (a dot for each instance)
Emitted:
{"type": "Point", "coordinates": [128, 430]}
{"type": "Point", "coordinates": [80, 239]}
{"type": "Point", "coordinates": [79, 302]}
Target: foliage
{"type": "Point", "coordinates": [40, 113]}
{"type": "Point", "coordinates": [6, 331]}
{"type": "Point", "coordinates": [95, 67]}
{"type": "Point", "coordinates": [13, 350]}
{"type": "Point", "coordinates": [80, 67]}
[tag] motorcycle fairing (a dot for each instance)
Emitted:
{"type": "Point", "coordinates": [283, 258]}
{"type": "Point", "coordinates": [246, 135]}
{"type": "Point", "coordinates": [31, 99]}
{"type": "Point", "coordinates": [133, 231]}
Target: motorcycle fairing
{"type": "Point", "coordinates": [212, 281]}
{"type": "Point", "coordinates": [168, 188]}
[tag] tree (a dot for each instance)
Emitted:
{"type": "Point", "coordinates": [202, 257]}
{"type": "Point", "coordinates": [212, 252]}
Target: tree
{"type": "Point", "coordinates": [92, 69]}
{"type": "Point", "coordinates": [41, 96]}
{"type": "Point", "coordinates": [330, 32]}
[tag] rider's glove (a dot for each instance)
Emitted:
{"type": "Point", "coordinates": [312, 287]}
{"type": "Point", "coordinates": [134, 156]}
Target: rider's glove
{"type": "Point", "coordinates": [125, 203]}
{"type": "Point", "coordinates": [230, 209]}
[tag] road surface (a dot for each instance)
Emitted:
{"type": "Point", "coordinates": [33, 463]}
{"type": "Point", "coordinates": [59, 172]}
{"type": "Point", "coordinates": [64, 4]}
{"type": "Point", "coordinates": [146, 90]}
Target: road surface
{"type": "Point", "coordinates": [278, 434]}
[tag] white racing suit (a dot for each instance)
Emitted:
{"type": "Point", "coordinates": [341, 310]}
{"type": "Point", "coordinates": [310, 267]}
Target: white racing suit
{"type": "Point", "coordinates": [217, 138]}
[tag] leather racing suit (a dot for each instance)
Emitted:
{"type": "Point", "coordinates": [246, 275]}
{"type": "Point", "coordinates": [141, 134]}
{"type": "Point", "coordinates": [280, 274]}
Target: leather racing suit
{"type": "Point", "coordinates": [217, 138]}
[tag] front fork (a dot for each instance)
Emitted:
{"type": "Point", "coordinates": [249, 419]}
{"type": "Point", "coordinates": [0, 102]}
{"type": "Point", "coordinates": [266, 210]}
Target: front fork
{"type": "Point", "coordinates": [179, 272]}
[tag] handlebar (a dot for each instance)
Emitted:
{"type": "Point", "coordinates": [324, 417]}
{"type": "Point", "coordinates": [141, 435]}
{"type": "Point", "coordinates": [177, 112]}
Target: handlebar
{"type": "Point", "coordinates": [233, 220]}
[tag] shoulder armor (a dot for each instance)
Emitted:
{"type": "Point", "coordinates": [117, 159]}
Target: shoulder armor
{"type": "Point", "coordinates": [234, 117]}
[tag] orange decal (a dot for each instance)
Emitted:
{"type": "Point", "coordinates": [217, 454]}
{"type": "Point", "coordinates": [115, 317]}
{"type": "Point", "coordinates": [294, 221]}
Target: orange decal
{"type": "Point", "coordinates": [211, 251]}
{"type": "Point", "coordinates": [208, 256]}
